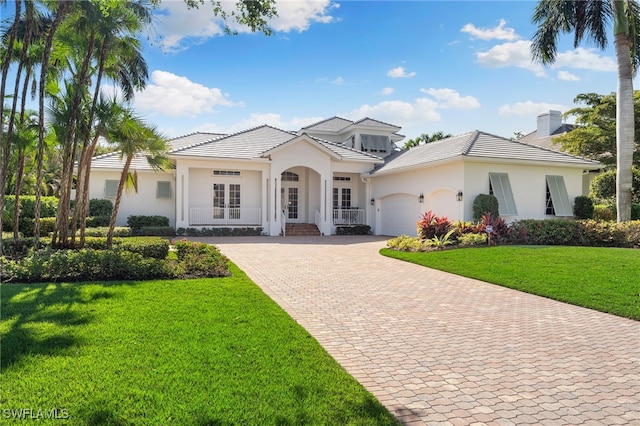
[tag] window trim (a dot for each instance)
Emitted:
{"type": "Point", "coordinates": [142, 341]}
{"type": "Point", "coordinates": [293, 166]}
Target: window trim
{"type": "Point", "coordinates": [500, 187]}
{"type": "Point", "coordinates": [559, 196]}
{"type": "Point", "coordinates": [228, 173]}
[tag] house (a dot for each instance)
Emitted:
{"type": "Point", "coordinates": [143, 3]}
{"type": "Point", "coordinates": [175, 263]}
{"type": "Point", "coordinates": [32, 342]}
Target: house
{"type": "Point", "coordinates": [339, 172]}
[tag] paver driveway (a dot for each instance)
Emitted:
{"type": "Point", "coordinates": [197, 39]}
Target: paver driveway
{"type": "Point", "coordinates": [436, 348]}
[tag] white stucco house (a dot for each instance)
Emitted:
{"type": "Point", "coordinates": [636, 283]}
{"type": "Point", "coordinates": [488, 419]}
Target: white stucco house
{"type": "Point", "coordinates": [339, 172]}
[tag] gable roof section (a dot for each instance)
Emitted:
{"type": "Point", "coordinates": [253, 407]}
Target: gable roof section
{"type": "Point", "coordinates": [478, 145]}
{"type": "Point", "coordinates": [113, 161]}
{"type": "Point", "coordinates": [547, 142]}
{"type": "Point", "coordinates": [249, 144]}
{"type": "Point", "coordinates": [333, 149]}
{"type": "Point", "coordinates": [333, 124]}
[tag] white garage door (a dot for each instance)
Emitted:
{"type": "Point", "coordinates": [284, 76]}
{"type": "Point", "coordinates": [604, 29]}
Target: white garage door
{"type": "Point", "coordinates": [399, 214]}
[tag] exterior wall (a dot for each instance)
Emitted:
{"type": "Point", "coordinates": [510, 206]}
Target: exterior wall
{"type": "Point", "coordinates": [438, 185]}
{"type": "Point", "coordinates": [144, 202]}
{"type": "Point", "coordinates": [528, 183]}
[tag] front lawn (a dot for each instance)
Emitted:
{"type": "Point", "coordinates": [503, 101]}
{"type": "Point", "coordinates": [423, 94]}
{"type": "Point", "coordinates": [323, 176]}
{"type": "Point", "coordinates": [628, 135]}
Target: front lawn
{"type": "Point", "coordinates": [188, 352]}
{"type": "Point", "coordinates": [605, 279]}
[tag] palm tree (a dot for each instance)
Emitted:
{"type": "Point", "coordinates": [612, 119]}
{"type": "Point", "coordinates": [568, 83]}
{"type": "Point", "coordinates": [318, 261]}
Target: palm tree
{"type": "Point", "coordinates": [425, 138]}
{"type": "Point", "coordinates": [134, 137]}
{"type": "Point", "coordinates": [590, 19]}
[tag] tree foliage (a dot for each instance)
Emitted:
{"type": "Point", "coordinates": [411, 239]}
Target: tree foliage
{"type": "Point", "coordinates": [425, 138]}
{"type": "Point", "coordinates": [595, 133]}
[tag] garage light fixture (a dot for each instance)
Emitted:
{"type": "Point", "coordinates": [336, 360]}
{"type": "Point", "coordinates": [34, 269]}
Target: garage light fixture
{"type": "Point", "coordinates": [421, 199]}
{"type": "Point", "coordinates": [373, 202]}
{"type": "Point", "coordinates": [459, 196]}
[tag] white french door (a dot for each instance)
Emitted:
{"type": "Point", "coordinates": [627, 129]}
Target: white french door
{"type": "Point", "coordinates": [290, 202]}
{"type": "Point", "coordinates": [226, 201]}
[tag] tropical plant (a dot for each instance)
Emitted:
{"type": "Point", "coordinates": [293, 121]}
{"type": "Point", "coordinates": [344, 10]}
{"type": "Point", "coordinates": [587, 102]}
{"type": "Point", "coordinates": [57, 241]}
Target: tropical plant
{"type": "Point", "coordinates": [430, 226]}
{"type": "Point", "coordinates": [134, 137]}
{"type": "Point", "coordinates": [440, 241]}
{"type": "Point", "coordinates": [589, 19]}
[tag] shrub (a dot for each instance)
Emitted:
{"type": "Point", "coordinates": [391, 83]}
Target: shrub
{"type": "Point", "coordinates": [85, 264]}
{"type": "Point", "coordinates": [468, 239]}
{"type": "Point", "coordinates": [201, 260]}
{"type": "Point", "coordinates": [138, 222]}
{"type": "Point", "coordinates": [406, 243]}
{"type": "Point", "coordinates": [583, 207]}
{"type": "Point", "coordinates": [484, 203]}
{"type": "Point", "coordinates": [100, 207]}
{"type": "Point", "coordinates": [353, 230]}
{"type": "Point", "coordinates": [604, 212]}
{"type": "Point", "coordinates": [102, 231]}
{"type": "Point", "coordinates": [603, 186]}
{"type": "Point", "coordinates": [48, 205]}
{"type": "Point", "coordinates": [156, 249]}
{"type": "Point", "coordinates": [159, 231]}
{"type": "Point", "coordinates": [220, 232]}
{"type": "Point", "coordinates": [430, 226]}
{"type": "Point", "coordinates": [27, 225]}
{"type": "Point", "coordinates": [546, 232]}
{"type": "Point", "coordinates": [500, 229]}
{"type": "Point", "coordinates": [98, 221]}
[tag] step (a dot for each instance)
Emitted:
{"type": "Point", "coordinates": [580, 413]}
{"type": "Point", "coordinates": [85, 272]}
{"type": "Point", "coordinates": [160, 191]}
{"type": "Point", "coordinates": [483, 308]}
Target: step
{"type": "Point", "coordinates": [301, 229]}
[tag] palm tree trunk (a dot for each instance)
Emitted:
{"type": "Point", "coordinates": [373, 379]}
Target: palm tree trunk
{"type": "Point", "coordinates": [63, 9]}
{"type": "Point", "coordinates": [5, 147]}
{"type": "Point", "coordinates": [625, 131]}
{"type": "Point", "coordinates": [116, 204]}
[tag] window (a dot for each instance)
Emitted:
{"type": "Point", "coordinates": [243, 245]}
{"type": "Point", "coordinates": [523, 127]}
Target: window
{"type": "Point", "coordinates": [110, 188]}
{"type": "Point", "coordinates": [342, 178]}
{"type": "Point", "coordinates": [289, 177]}
{"type": "Point", "coordinates": [226, 173]}
{"type": "Point", "coordinates": [163, 189]}
{"type": "Point", "coordinates": [557, 199]}
{"type": "Point", "coordinates": [500, 187]}
{"type": "Point", "coordinates": [375, 143]}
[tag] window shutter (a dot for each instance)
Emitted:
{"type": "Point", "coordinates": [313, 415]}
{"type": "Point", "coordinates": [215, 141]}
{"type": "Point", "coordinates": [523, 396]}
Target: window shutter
{"type": "Point", "coordinates": [559, 196]}
{"type": "Point", "coordinates": [502, 191]}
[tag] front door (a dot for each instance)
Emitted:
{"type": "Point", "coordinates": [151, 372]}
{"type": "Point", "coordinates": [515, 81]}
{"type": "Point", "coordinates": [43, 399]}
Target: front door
{"type": "Point", "coordinates": [290, 200]}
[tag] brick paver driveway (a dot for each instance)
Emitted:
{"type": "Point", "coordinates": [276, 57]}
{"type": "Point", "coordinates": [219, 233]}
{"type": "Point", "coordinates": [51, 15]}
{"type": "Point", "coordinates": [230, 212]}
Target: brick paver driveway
{"type": "Point", "coordinates": [436, 348]}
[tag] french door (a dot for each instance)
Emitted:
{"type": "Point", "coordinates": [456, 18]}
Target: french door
{"type": "Point", "coordinates": [290, 202]}
{"type": "Point", "coordinates": [226, 201]}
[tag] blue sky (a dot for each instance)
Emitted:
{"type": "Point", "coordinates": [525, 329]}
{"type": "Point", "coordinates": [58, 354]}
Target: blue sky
{"type": "Point", "coordinates": [427, 66]}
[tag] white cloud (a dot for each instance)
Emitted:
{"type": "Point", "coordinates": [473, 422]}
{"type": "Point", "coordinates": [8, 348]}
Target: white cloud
{"type": "Point", "coordinates": [173, 95]}
{"type": "Point", "coordinates": [257, 119]}
{"type": "Point", "coordinates": [449, 98]}
{"type": "Point", "coordinates": [529, 108]}
{"type": "Point", "coordinates": [499, 32]}
{"type": "Point", "coordinates": [417, 112]}
{"type": "Point", "coordinates": [513, 54]}
{"type": "Point", "coordinates": [518, 54]}
{"type": "Point", "coordinates": [399, 72]}
{"type": "Point", "coordinates": [567, 76]}
{"type": "Point", "coordinates": [583, 58]}
{"type": "Point", "coordinates": [174, 23]}
{"type": "Point", "coordinates": [338, 81]}
{"type": "Point", "coordinates": [387, 91]}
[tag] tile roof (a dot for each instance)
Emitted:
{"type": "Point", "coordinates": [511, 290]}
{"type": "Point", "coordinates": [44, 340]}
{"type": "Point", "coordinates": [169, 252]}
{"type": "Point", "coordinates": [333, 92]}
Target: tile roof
{"type": "Point", "coordinates": [113, 161]}
{"type": "Point", "coordinates": [546, 141]}
{"type": "Point", "coordinates": [333, 124]}
{"type": "Point", "coordinates": [477, 145]}
{"type": "Point", "coordinates": [192, 139]}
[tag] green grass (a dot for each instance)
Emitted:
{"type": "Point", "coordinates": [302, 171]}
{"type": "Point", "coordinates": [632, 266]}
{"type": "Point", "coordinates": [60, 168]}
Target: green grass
{"type": "Point", "coordinates": [191, 352]}
{"type": "Point", "coordinates": [605, 279]}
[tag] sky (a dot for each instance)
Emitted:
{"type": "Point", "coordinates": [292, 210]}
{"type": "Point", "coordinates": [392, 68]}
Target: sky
{"type": "Point", "coordinates": [426, 66]}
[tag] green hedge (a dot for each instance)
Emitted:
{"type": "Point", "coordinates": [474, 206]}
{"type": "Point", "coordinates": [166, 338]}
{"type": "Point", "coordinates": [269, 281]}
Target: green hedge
{"type": "Point", "coordinates": [128, 260]}
{"type": "Point", "coordinates": [220, 232]}
{"type": "Point", "coordinates": [157, 231]}
{"type": "Point", "coordinates": [139, 222]}
{"type": "Point", "coordinates": [353, 230]}
{"type": "Point", "coordinates": [48, 205]}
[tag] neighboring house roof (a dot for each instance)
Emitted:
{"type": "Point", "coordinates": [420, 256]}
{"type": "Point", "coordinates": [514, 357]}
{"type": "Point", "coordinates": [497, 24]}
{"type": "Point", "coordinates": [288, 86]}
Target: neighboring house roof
{"type": "Point", "coordinates": [261, 141]}
{"type": "Point", "coordinates": [546, 141]}
{"type": "Point", "coordinates": [477, 145]}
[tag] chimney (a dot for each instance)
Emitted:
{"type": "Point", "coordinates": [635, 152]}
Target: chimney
{"type": "Point", "coordinates": [548, 123]}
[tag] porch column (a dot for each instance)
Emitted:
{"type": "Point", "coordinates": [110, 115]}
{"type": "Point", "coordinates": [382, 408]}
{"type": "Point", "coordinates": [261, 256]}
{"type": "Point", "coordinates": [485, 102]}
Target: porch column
{"type": "Point", "coordinates": [264, 203]}
{"type": "Point", "coordinates": [276, 211]}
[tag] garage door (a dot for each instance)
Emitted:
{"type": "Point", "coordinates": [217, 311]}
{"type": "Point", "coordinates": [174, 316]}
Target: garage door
{"type": "Point", "coordinates": [399, 214]}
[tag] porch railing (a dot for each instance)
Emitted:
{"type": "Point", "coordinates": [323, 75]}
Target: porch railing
{"type": "Point", "coordinates": [318, 221]}
{"type": "Point", "coordinates": [205, 216]}
{"type": "Point", "coordinates": [283, 222]}
{"type": "Point", "coordinates": [348, 217]}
